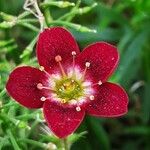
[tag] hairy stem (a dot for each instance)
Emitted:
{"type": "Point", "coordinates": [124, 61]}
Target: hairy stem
{"type": "Point", "coordinates": [37, 12]}
{"type": "Point", "coordinates": [40, 14]}
{"type": "Point", "coordinates": [48, 17]}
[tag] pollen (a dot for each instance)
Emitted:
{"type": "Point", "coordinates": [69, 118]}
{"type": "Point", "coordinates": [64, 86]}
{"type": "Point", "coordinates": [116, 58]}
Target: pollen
{"type": "Point", "coordinates": [41, 68]}
{"type": "Point", "coordinates": [87, 64]}
{"type": "Point", "coordinates": [40, 86]}
{"type": "Point", "coordinates": [72, 81]}
{"type": "Point", "coordinates": [58, 58]}
{"type": "Point", "coordinates": [78, 108]}
{"type": "Point", "coordinates": [68, 89]}
{"type": "Point", "coordinates": [60, 90]}
{"type": "Point", "coordinates": [99, 82]}
{"type": "Point", "coordinates": [43, 98]}
{"type": "Point", "coordinates": [73, 101]}
{"type": "Point", "coordinates": [73, 53]}
{"type": "Point", "coordinates": [92, 97]}
{"type": "Point", "coordinates": [63, 101]}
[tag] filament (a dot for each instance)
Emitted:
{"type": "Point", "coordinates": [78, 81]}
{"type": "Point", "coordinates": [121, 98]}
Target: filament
{"type": "Point", "coordinates": [59, 59]}
{"type": "Point", "coordinates": [87, 65]}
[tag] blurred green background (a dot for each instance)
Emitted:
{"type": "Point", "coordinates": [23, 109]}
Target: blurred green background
{"type": "Point", "coordinates": [124, 23]}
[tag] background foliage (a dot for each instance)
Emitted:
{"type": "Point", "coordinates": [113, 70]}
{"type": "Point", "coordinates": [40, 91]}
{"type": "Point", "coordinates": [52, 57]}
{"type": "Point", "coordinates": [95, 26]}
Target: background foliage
{"type": "Point", "coordinates": [124, 23]}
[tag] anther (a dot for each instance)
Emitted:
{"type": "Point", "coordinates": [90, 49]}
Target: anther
{"type": "Point", "coordinates": [63, 101]}
{"type": "Point", "coordinates": [99, 82]}
{"type": "Point", "coordinates": [60, 90]}
{"type": "Point", "coordinates": [73, 53]}
{"type": "Point", "coordinates": [41, 68]}
{"type": "Point", "coordinates": [58, 58]}
{"type": "Point", "coordinates": [87, 64]}
{"type": "Point", "coordinates": [72, 81]}
{"type": "Point", "coordinates": [91, 97]}
{"type": "Point", "coordinates": [43, 98]}
{"type": "Point", "coordinates": [78, 108]}
{"type": "Point", "coordinates": [73, 101]}
{"type": "Point", "coordinates": [40, 86]}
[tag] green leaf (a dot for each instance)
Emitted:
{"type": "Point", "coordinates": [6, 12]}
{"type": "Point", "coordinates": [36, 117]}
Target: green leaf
{"type": "Point", "coordinates": [132, 52]}
{"type": "Point", "coordinates": [99, 134]}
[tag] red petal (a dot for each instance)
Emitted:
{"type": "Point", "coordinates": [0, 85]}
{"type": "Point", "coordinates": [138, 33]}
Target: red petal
{"type": "Point", "coordinates": [103, 58]}
{"type": "Point", "coordinates": [62, 120]}
{"type": "Point", "coordinates": [22, 86]}
{"type": "Point", "coordinates": [110, 101]}
{"type": "Point", "coordinates": [52, 42]}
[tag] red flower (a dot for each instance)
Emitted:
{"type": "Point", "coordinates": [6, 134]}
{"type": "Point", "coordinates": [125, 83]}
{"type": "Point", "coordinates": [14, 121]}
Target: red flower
{"type": "Point", "coordinates": [69, 83]}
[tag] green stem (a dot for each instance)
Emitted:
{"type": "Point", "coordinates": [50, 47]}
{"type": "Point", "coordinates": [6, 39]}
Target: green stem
{"type": "Point", "coordinates": [6, 43]}
{"type": "Point", "coordinates": [40, 15]}
{"type": "Point", "coordinates": [24, 14]}
{"type": "Point", "coordinates": [73, 9]}
{"type": "Point", "coordinates": [8, 105]}
{"type": "Point", "coordinates": [33, 142]}
{"type": "Point", "coordinates": [31, 20]}
{"type": "Point", "coordinates": [2, 92]}
{"type": "Point", "coordinates": [28, 50]}
{"type": "Point", "coordinates": [65, 144]}
{"type": "Point", "coordinates": [13, 140]}
{"type": "Point", "coordinates": [30, 26]}
{"type": "Point", "coordinates": [48, 17]}
{"type": "Point", "coordinates": [79, 11]}
{"type": "Point", "coordinates": [78, 27]}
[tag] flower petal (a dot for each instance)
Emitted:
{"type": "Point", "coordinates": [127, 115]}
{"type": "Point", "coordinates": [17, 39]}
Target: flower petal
{"type": "Point", "coordinates": [111, 100]}
{"type": "Point", "coordinates": [22, 86]}
{"type": "Point", "coordinates": [103, 58]}
{"type": "Point", "coordinates": [52, 42]}
{"type": "Point", "coordinates": [62, 120]}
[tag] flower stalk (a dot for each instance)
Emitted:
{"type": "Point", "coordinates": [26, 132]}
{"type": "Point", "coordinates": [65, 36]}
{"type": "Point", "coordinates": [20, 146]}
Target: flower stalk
{"type": "Point", "coordinates": [65, 144]}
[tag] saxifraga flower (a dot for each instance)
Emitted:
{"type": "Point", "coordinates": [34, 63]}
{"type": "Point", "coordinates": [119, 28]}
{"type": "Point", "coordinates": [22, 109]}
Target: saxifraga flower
{"type": "Point", "coordinates": [69, 84]}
